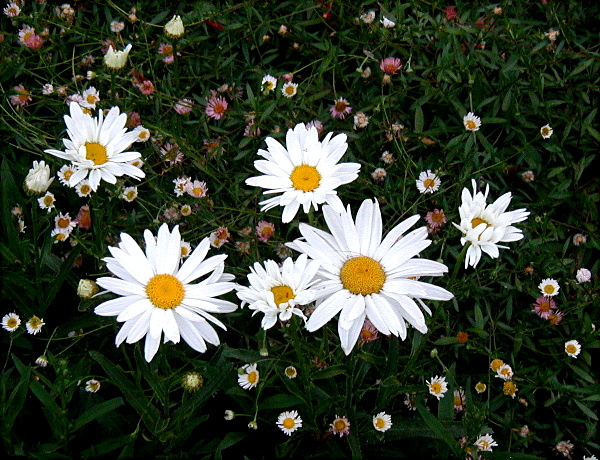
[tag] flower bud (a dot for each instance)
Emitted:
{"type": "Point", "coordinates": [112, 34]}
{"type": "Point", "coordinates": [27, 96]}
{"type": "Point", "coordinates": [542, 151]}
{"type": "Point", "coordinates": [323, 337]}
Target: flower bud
{"type": "Point", "coordinates": [38, 179]}
{"type": "Point", "coordinates": [116, 60]}
{"type": "Point", "coordinates": [87, 289]}
{"type": "Point", "coordinates": [174, 28]}
{"type": "Point", "coordinates": [229, 415]}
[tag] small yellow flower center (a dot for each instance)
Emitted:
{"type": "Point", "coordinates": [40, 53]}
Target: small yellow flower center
{"type": "Point", "coordinates": [495, 364]}
{"type": "Point", "coordinates": [549, 289]}
{"type": "Point", "coordinates": [484, 445]}
{"type": "Point", "coordinates": [544, 305]}
{"type": "Point", "coordinates": [477, 221]}
{"type": "Point", "coordinates": [380, 423]}
{"type": "Point", "coordinates": [12, 322]}
{"type": "Point", "coordinates": [282, 294]}
{"type": "Point", "coordinates": [340, 106]}
{"type": "Point", "coordinates": [67, 175]}
{"type": "Point", "coordinates": [91, 99]}
{"type": "Point", "coordinates": [60, 236]}
{"type": "Point", "coordinates": [27, 36]}
{"type": "Point", "coordinates": [23, 96]}
{"type": "Point", "coordinates": [35, 322]}
{"type": "Point", "coordinates": [290, 371]}
{"type": "Point", "coordinates": [197, 191]}
{"type": "Point", "coordinates": [143, 134]}
{"type": "Point", "coordinates": [63, 223]}
{"type": "Point", "coordinates": [471, 124]}
{"type": "Point", "coordinates": [429, 183]}
{"type": "Point", "coordinates": [438, 217]}
{"type": "Point", "coordinates": [505, 371]}
{"type": "Point", "coordinates": [339, 425]}
{"type": "Point", "coordinates": [269, 85]}
{"type": "Point", "coordinates": [184, 251]}
{"type": "Point", "coordinates": [289, 423]}
{"type": "Point", "coordinates": [436, 387]}
{"type": "Point", "coordinates": [457, 400]}
{"type": "Point", "coordinates": [305, 178]}
{"type": "Point", "coordinates": [48, 200]}
{"type": "Point", "coordinates": [131, 195]}
{"type": "Point", "coordinates": [165, 291]}
{"type": "Point", "coordinates": [96, 153]}
{"type": "Point", "coordinates": [85, 189]}
{"type": "Point", "coordinates": [94, 386]}
{"type": "Point", "coordinates": [362, 275]}
{"type": "Point", "coordinates": [290, 90]}
{"type": "Point", "coordinates": [509, 388]}
{"type": "Point", "coordinates": [253, 377]}
{"type": "Point", "coordinates": [571, 348]}
{"type": "Point", "coordinates": [219, 108]}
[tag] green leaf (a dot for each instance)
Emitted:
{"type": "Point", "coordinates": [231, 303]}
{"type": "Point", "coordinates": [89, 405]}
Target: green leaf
{"type": "Point", "coordinates": [16, 399]}
{"type": "Point", "coordinates": [419, 120]}
{"type": "Point", "coordinates": [97, 411]}
{"type": "Point", "coordinates": [586, 410]}
{"type": "Point", "coordinates": [280, 401]}
{"type": "Point", "coordinates": [437, 427]}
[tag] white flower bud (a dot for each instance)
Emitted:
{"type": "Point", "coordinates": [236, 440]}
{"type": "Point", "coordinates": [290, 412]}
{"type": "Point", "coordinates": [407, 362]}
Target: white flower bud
{"type": "Point", "coordinates": [38, 179]}
{"type": "Point", "coordinates": [174, 28]}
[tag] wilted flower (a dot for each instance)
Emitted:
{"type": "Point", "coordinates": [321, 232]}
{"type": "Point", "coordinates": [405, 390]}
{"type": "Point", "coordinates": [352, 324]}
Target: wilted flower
{"type": "Point", "coordinates": [92, 386]}
{"type": "Point", "coordinates": [583, 275]}
{"type": "Point", "coordinates": [86, 289]}
{"type": "Point", "coordinates": [579, 238]}
{"type": "Point", "coordinates": [387, 23]}
{"type": "Point", "coordinates": [546, 131]}
{"type": "Point", "coordinates": [116, 60]}
{"type": "Point", "coordinates": [192, 381]}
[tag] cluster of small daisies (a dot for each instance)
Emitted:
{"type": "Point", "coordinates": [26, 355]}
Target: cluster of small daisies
{"type": "Point", "coordinates": [12, 321]}
{"type": "Point", "coordinates": [504, 372]}
{"type": "Point", "coordinates": [545, 305]}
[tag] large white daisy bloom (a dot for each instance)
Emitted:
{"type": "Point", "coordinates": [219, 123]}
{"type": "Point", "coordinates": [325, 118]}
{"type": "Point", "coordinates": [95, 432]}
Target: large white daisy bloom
{"type": "Point", "coordinates": [96, 147]}
{"type": "Point", "coordinates": [484, 226]}
{"type": "Point", "coordinates": [365, 277]}
{"type": "Point", "coordinates": [156, 294]}
{"type": "Point", "coordinates": [305, 173]}
{"type": "Point", "coordinates": [277, 291]}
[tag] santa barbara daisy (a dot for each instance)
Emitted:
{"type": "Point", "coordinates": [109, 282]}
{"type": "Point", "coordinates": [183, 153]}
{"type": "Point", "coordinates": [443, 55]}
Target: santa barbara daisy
{"type": "Point", "coordinates": [382, 422]}
{"type": "Point", "coordinates": [505, 372]}
{"type": "Point", "coordinates": [129, 194]}
{"type": "Point", "coordinates": [544, 306]}
{"type": "Point", "coordinates": [90, 98]}
{"type": "Point", "coordinates": [65, 172]}
{"type": "Point", "coordinates": [156, 294]}
{"type": "Point", "coordinates": [11, 322]}
{"type": "Point", "coordinates": [485, 443]}
{"type": "Point", "coordinates": [549, 287]}
{"type": "Point", "coordinates": [306, 173]}
{"type": "Point", "coordinates": [428, 182]}
{"type": "Point", "coordinates": [268, 83]}
{"type": "Point", "coordinates": [92, 386]}
{"type": "Point", "coordinates": [437, 386]}
{"type": "Point", "coordinates": [290, 372]}
{"type": "Point", "coordinates": [289, 421]}
{"type": "Point", "coordinates": [277, 291]}
{"type": "Point", "coordinates": [365, 277]}
{"type": "Point", "coordinates": [546, 131]}
{"type": "Point", "coordinates": [471, 122]}
{"type": "Point", "coordinates": [83, 188]}
{"type": "Point", "coordinates": [572, 348]}
{"type": "Point", "coordinates": [390, 65]}
{"type": "Point", "coordinates": [96, 146]}
{"type": "Point", "coordinates": [340, 426]}
{"type": "Point", "coordinates": [216, 106]}
{"type": "Point", "coordinates": [485, 225]}
{"type": "Point", "coordinates": [340, 108]}
{"type": "Point", "coordinates": [248, 376]}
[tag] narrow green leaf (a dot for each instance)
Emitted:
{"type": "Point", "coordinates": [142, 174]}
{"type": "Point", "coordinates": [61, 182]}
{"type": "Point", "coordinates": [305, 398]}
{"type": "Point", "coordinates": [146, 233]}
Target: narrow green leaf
{"type": "Point", "coordinates": [97, 411]}
{"type": "Point", "coordinates": [586, 410]}
{"type": "Point", "coordinates": [419, 120]}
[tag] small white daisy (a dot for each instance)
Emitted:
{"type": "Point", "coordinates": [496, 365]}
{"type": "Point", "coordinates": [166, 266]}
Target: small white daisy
{"type": "Point", "coordinates": [268, 83]}
{"type": "Point", "coordinates": [546, 131]}
{"type": "Point", "coordinates": [248, 376]}
{"type": "Point", "coordinates": [305, 173]}
{"type": "Point", "coordinates": [289, 89]}
{"type": "Point", "coordinates": [485, 443]}
{"type": "Point", "coordinates": [572, 348]}
{"type": "Point", "coordinates": [289, 421]}
{"type": "Point", "coordinates": [277, 291]}
{"type": "Point", "coordinates": [129, 193]}
{"type": "Point", "coordinates": [382, 422]}
{"type": "Point", "coordinates": [143, 134]}
{"type": "Point", "coordinates": [64, 222]}
{"type": "Point", "coordinates": [47, 89]}
{"type": "Point", "coordinates": [47, 201]}
{"type": "Point", "coordinates": [186, 249]}
{"type": "Point", "coordinates": [549, 287]}
{"type": "Point", "coordinates": [34, 325]}
{"type": "Point", "coordinates": [290, 372]}
{"type": "Point", "coordinates": [65, 172]}
{"type": "Point", "coordinates": [92, 386]}
{"type": "Point", "coordinates": [181, 185]}
{"type": "Point", "coordinates": [428, 182]}
{"type": "Point", "coordinates": [11, 322]}
{"type": "Point", "coordinates": [505, 372]}
{"type": "Point", "coordinates": [83, 188]}
{"type": "Point", "coordinates": [58, 234]}
{"type": "Point", "coordinates": [438, 386]}
{"type": "Point", "coordinates": [90, 98]}
{"type": "Point", "coordinates": [471, 122]}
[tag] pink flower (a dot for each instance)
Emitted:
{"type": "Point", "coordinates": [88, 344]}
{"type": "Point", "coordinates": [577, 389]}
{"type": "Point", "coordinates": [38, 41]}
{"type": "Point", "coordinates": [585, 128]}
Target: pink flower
{"type": "Point", "coordinates": [107, 44]}
{"type": "Point", "coordinates": [369, 332]}
{"type": "Point", "coordinates": [340, 108]}
{"type": "Point", "coordinates": [216, 107]}
{"type": "Point", "coordinates": [265, 230]}
{"type": "Point", "coordinates": [450, 12]}
{"type": "Point", "coordinates": [183, 107]}
{"type": "Point", "coordinates": [171, 153]}
{"type": "Point", "coordinates": [84, 217]}
{"type": "Point", "coordinates": [287, 77]}
{"type": "Point", "coordinates": [340, 426]}
{"type": "Point", "coordinates": [133, 119]}
{"type": "Point", "coordinates": [316, 124]}
{"type": "Point", "coordinates": [544, 306]}
{"type": "Point", "coordinates": [197, 189]}
{"type": "Point", "coordinates": [146, 87]}
{"type": "Point", "coordinates": [166, 50]}
{"type": "Point", "coordinates": [28, 37]}
{"type": "Point", "coordinates": [435, 218]}
{"type": "Point", "coordinates": [22, 98]}
{"type": "Point", "coordinates": [556, 317]}
{"type": "Point", "coordinates": [390, 65]}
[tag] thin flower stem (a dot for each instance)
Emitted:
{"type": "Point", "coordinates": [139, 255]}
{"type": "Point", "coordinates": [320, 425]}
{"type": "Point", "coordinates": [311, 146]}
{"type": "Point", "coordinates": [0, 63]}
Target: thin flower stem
{"type": "Point", "coordinates": [457, 265]}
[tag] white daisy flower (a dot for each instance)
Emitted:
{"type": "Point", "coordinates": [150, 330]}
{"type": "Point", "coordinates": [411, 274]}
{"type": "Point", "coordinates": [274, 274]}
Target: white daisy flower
{"type": "Point", "coordinates": [116, 60]}
{"type": "Point", "coordinates": [484, 226]}
{"type": "Point", "coordinates": [289, 421]}
{"type": "Point", "coordinates": [11, 322]}
{"type": "Point", "coordinates": [186, 249]}
{"type": "Point", "coordinates": [248, 376]}
{"type": "Point", "coordinates": [90, 98]}
{"type": "Point", "coordinates": [156, 294]}
{"type": "Point", "coordinates": [96, 147]}
{"type": "Point", "coordinates": [365, 277]}
{"type": "Point", "coordinates": [572, 348]}
{"type": "Point", "coordinates": [65, 172]}
{"type": "Point", "coordinates": [485, 443]}
{"type": "Point", "coordinates": [305, 173]}
{"type": "Point", "coordinates": [34, 325]}
{"type": "Point", "coordinates": [268, 83]}
{"type": "Point", "coordinates": [47, 201]}
{"type": "Point", "coordinates": [382, 422]}
{"type": "Point", "coordinates": [129, 194]}
{"type": "Point", "coordinates": [428, 182]}
{"type": "Point", "coordinates": [83, 188]}
{"type": "Point", "coordinates": [546, 131]}
{"type": "Point", "coordinates": [549, 287]}
{"type": "Point", "coordinates": [289, 89]}
{"type": "Point", "coordinates": [143, 134]}
{"type": "Point", "coordinates": [276, 291]}
{"type": "Point", "coordinates": [438, 386]}
{"type": "Point", "coordinates": [471, 122]}
{"type": "Point", "coordinates": [505, 372]}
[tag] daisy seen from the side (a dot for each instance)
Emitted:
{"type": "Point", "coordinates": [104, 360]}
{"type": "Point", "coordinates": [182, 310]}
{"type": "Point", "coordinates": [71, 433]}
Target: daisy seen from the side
{"type": "Point", "coordinates": [546, 131]}
{"type": "Point", "coordinates": [437, 386]}
{"type": "Point", "coordinates": [382, 422]}
{"type": "Point", "coordinates": [96, 147]}
{"type": "Point", "coordinates": [485, 225]}
{"type": "Point", "coordinates": [289, 421]}
{"type": "Point", "coordinates": [277, 291]}
{"type": "Point", "coordinates": [305, 173]}
{"type": "Point", "coordinates": [268, 83]}
{"type": "Point", "coordinates": [156, 294]}
{"type": "Point", "coordinates": [92, 386]}
{"type": "Point", "coordinates": [248, 376]}
{"type": "Point", "coordinates": [485, 443]}
{"type": "Point", "coordinates": [363, 276]}
{"type": "Point", "coordinates": [549, 287]}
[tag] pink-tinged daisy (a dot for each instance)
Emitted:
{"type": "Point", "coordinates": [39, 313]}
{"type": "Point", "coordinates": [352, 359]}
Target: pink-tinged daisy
{"type": "Point", "coordinates": [306, 173]}
{"type": "Point", "coordinates": [485, 225]}
{"type": "Point", "coordinates": [340, 426]}
{"type": "Point", "coordinates": [565, 448]}
{"type": "Point", "coordinates": [549, 287]}
{"type": "Point", "coordinates": [410, 401]}
{"type": "Point", "coordinates": [583, 275]}
{"type": "Point", "coordinates": [289, 421]}
{"type": "Point", "coordinates": [369, 332]}
{"type": "Point", "coordinates": [437, 386]}
{"type": "Point", "coordinates": [471, 122]}
{"type": "Point", "coordinates": [544, 306]}
{"type": "Point", "coordinates": [166, 50]}
{"type": "Point", "coordinates": [216, 107]}
{"type": "Point", "coordinates": [365, 277]}
{"type": "Point", "coordinates": [485, 443]}
{"type": "Point", "coordinates": [556, 317]}
{"type": "Point", "coordinates": [117, 26]}
{"type": "Point", "coordinates": [428, 182]}
{"type": "Point", "coordinates": [96, 147]}
{"type": "Point", "coordinates": [382, 422]}
{"type": "Point", "coordinates": [265, 230]}
{"type": "Point", "coordinates": [435, 218]}
{"type": "Point", "coordinates": [572, 348]}
{"type": "Point", "coordinates": [22, 98]}
{"type": "Point", "coordinates": [219, 237]}
{"type": "Point", "coordinates": [390, 65]}
{"type": "Point", "coordinates": [64, 222]}
{"type": "Point", "coordinates": [145, 86]}
{"type": "Point", "coordinates": [197, 189]}
{"type": "Point", "coordinates": [184, 106]}
{"type": "Point", "coordinates": [579, 239]}
{"type": "Point", "coordinates": [340, 108]}
{"type": "Point", "coordinates": [12, 10]}
{"type": "Point", "coordinates": [156, 294]}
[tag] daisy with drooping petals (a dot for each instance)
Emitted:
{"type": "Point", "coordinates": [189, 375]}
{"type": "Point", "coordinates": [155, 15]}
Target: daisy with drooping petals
{"type": "Point", "coordinates": [289, 422]}
{"type": "Point", "coordinates": [546, 131]}
{"type": "Point", "coordinates": [438, 386]}
{"type": "Point", "coordinates": [572, 348]}
{"type": "Point", "coordinates": [428, 182]}
{"type": "Point", "coordinates": [11, 322]}
{"type": "Point", "coordinates": [340, 108]}
{"type": "Point", "coordinates": [549, 287]}
{"type": "Point", "coordinates": [156, 294]}
{"type": "Point", "coordinates": [96, 147]}
{"type": "Point", "coordinates": [484, 226]}
{"type": "Point", "coordinates": [340, 426]}
{"type": "Point", "coordinates": [471, 122]}
{"type": "Point", "coordinates": [277, 291]}
{"type": "Point", "coordinates": [485, 443]}
{"type": "Point", "coordinates": [34, 325]}
{"type": "Point", "coordinates": [382, 422]}
{"type": "Point", "coordinates": [365, 277]}
{"type": "Point", "coordinates": [248, 376]}
{"type": "Point", "coordinates": [306, 173]}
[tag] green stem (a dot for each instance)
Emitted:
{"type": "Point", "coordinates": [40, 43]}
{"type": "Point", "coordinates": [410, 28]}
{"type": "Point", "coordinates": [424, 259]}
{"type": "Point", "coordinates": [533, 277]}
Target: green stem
{"type": "Point", "coordinates": [459, 262]}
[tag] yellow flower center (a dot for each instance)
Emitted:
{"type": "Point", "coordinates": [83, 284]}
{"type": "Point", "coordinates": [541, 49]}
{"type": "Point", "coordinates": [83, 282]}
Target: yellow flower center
{"type": "Point", "coordinates": [544, 305]}
{"type": "Point", "coordinates": [35, 322]}
{"type": "Point", "coordinates": [495, 364]}
{"type": "Point", "coordinates": [457, 401]}
{"type": "Point", "coordinates": [340, 425]}
{"type": "Point", "coordinates": [438, 217]}
{"type": "Point", "coordinates": [436, 387]}
{"type": "Point", "coordinates": [143, 134]}
{"type": "Point", "coordinates": [60, 236]}
{"type": "Point", "coordinates": [340, 106]}
{"type": "Point", "coordinates": [165, 291]}
{"type": "Point", "coordinates": [96, 153]}
{"type": "Point", "coordinates": [571, 348]}
{"type": "Point", "coordinates": [477, 221]}
{"type": "Point", "coordinates": [85, 189]}
{"type": "Point", "coordinates": [471, 124]}
{"type": "Point", "coordinates": [23, 96]}
{"type": "Point", "coordinates": [429, 183]}
{"type": "Point", "coordinates": [67, 175]}
{"type": "Point", "coordinates": [12, 322]}
{"type": "Point", "coordinates": [48, 200]}
{"type": "Point", "coordinates": [380, 423]}
{"type": "Point", "coordinates": [184, 251]}
{"type": "Point", "coordinates": [91, 99]}
{"type": "Point", "coordinates": [509, 388]}
{"type": "Point", "coordinates": [197, 191]}
{"type": "Point", "coordinates": [305, 178]}
{"type": "Point", "coordinates": [362, 275]}
{"type": "Point", "coordinates": [282, 294]}
{"type": "Point", "coordinates": [290, 371]}
{"type": "Point", "coordinates": [131, 195]}
{"type": "Point", "coordinates": [219, 108]}
{"type": "Point", "coordinates": [289, 423]}
{"type": "Point", "coordinates": [290, 90]}
{"type": "Point", "coordinates": [269, 85]}
{"type": "Point", "coordinates": [253, 377]}
{"type": "Point", "coordinates": [549, 289]}
{"type": "Point", "coordinates": [63, 222]}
